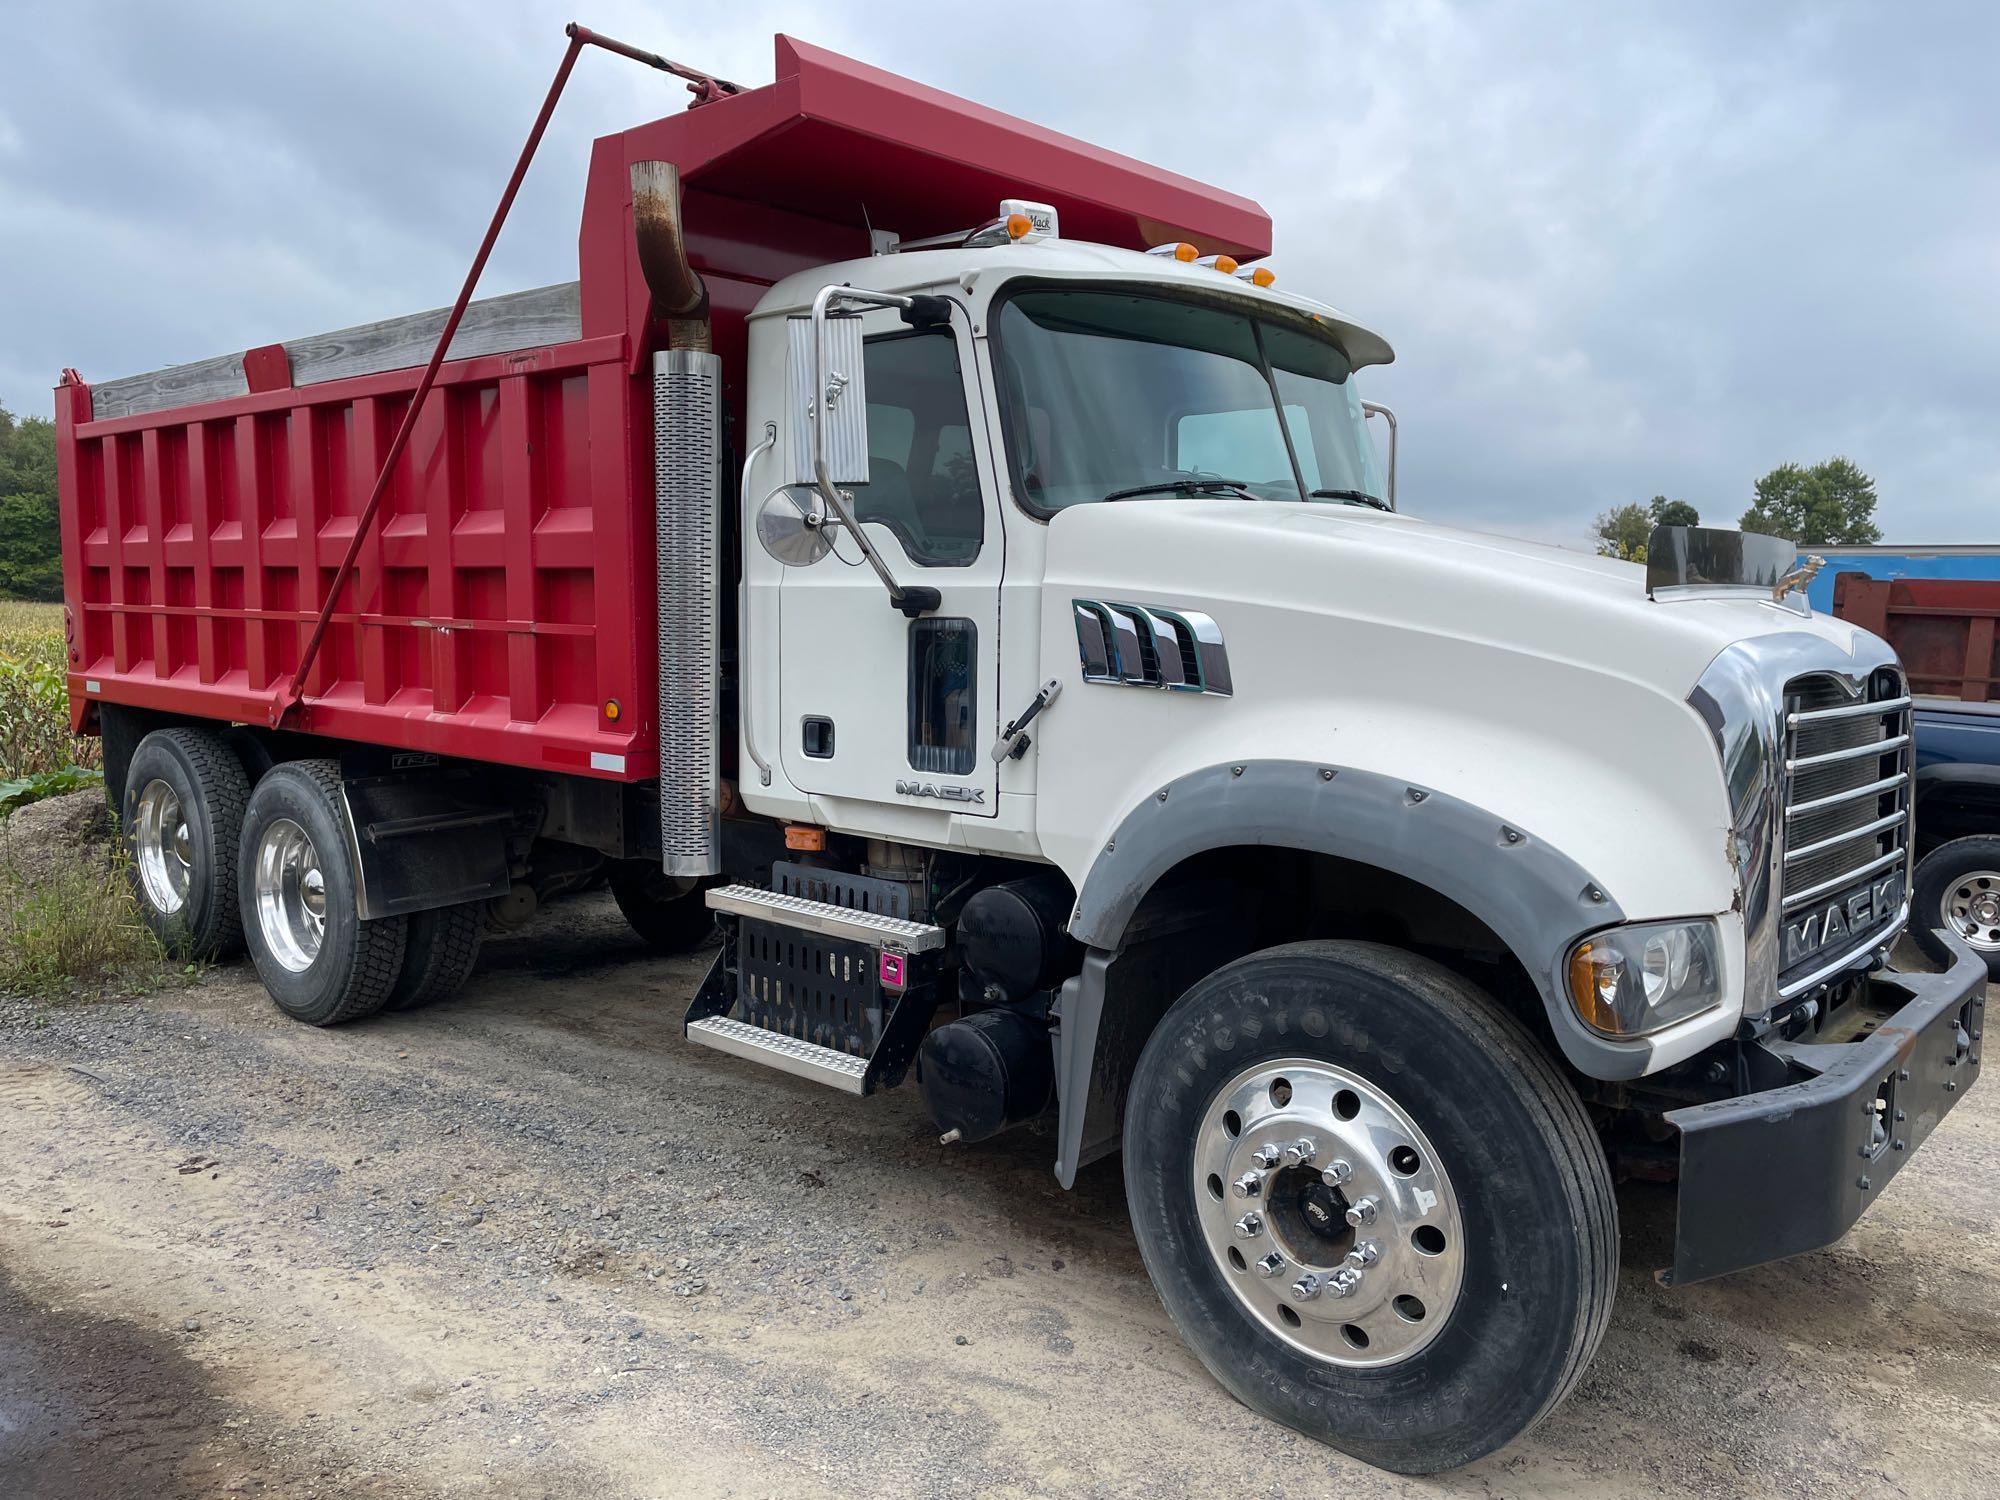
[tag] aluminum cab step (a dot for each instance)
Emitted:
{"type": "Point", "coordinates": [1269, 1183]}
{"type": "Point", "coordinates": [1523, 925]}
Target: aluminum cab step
{"type": "Point", "coordinates": [826, 918]}
{"type": "Point", "coordinates": [831, 993]}
{"type": "Point", "coordinates": [788, 1054]}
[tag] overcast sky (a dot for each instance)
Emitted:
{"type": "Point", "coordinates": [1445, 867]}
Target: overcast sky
{"type": "Point", "coordinates": [1620, 249]}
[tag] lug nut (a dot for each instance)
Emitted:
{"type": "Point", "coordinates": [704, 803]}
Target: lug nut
{"type": "Point", "coordinates": [1249, 1226]}
{"type": "Point", "coordinates": [1249, 1185]}
{"type": "Point", "coordinates": [1301, 1152]}
{"type": "Point", "coordinates": [1266, 1156]}
{"type": "Point", "coordinates": [1362, 1213]}
{"type": "Point", "coordinates": [1337, 1171]}
{"type": "Point", "coordinates": [1364, 1254]}
{"type": "Point", "coordinates": [1343, 1283]}
{"type": "Point", "coordinates": [1271, 1265]}
{"type": "Point", "coordinates": [1306, 1287]}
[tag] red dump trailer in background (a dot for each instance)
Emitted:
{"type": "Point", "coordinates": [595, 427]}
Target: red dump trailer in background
{"type": "Point", "coordinates": [503, 607]}
{"type": "Point", "coordinates": [1944, 629]}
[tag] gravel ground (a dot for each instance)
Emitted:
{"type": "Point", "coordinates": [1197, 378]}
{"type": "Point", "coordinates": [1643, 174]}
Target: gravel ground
{"type": "Point", "coordinates": [532, 1243]}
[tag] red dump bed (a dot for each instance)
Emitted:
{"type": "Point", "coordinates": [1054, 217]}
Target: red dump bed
{"type": "Point", "coordinates": [501, 608]}
{"type": "Point", "coordinates": [1942, 628]}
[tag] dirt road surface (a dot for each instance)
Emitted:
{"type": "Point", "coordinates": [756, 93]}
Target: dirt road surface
{"type": "Point", "coordinates": [531, 1243]}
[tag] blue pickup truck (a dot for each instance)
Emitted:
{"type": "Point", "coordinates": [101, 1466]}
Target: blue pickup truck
{"type": "Point", "coordinates": [1940, 608]}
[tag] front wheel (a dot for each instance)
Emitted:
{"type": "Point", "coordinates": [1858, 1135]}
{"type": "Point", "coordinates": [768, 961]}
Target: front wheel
{"type": "Point", "coordinates": [1370, 1202]}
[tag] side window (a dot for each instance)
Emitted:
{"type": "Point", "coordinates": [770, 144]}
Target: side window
{"type": "Point", "coordinates": [923, 483]}
{"type": "Point", "coordinates": [944, 695]}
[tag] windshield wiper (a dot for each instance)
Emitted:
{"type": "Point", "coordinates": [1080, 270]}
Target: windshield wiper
{"type": "Point", "coordinates": [1191, 484]}
{"type": "Point", "coordinates": [1358, 497]}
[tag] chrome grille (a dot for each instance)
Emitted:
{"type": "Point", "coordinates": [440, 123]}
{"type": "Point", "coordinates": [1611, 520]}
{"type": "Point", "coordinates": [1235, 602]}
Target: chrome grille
{"type": "Point", "coordinates": [1847, 790]}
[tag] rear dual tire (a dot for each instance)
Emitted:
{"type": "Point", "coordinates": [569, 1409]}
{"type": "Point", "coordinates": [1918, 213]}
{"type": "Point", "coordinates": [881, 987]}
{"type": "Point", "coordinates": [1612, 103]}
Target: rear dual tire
{"type": "Point", "coordinates": [319, 960]}
{"type": "Point", "coordinates": [182, 811]}
{"type": "Point", "coordinates": [1485, 1278]}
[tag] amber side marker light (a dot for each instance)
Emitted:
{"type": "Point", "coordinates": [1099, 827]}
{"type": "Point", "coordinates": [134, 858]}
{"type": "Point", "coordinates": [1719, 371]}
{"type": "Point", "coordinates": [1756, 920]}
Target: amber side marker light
{"type": "Point", "coordinates": [1019, 226]}
{"type": "Point", "coordinates": [802, 838]}
{"type": "Point", "coordinates": [612, 709]}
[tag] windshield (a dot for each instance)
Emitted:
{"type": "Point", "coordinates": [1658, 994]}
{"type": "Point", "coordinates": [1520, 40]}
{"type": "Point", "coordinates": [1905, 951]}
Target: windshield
{"type": "Point", "coordinates": [1106, 392]}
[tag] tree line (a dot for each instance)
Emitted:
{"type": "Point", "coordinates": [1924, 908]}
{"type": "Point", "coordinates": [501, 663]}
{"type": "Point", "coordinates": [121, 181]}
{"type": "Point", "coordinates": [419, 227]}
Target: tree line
{"type": "Point", "coordinates": [30, 536]}
{"type": "Point", "coordinates": [1827, 504]}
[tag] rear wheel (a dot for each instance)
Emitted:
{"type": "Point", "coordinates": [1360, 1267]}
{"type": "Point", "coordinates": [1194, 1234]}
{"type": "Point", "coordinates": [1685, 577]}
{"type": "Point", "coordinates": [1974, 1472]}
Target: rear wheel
{"type": "Point", "coordinates": [668, 913]}
{"type": "Point", "coordinates": [318, 959]}
{"type": "Point", "coordinates": [1370, 1202]}
{"type": "Point", "coordinates": [182, 816]}
{"type": "Point", "coordinates": [1958, 887]}
{"type": "Point", "coordinates": [438, 956]}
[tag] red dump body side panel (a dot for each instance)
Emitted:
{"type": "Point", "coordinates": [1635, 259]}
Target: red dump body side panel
{"type": "Point", "coordinates": [504, 597]}
{"type": "Point", "coordinates": [1942, 628]}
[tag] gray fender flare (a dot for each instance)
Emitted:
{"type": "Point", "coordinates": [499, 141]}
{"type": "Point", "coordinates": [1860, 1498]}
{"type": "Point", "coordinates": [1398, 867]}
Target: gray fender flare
{"type": "Point", "coordinates": [1535, 897]}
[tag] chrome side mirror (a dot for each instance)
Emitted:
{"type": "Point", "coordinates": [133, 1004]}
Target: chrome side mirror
{"type": "Point", "coordinates": [1377, 409]}
{"type": "Point", "coordinates": [829, 410]}
{"type": "Point", "coordinates": [833, 405]}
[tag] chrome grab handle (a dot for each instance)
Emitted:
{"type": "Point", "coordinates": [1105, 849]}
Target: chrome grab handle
{"type": "Point", "coordinates": [744, 688]}
{"type": "Point", "coordinates": [1377, 409]}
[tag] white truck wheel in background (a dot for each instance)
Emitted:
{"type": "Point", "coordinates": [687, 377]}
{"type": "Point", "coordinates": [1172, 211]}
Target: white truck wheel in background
{"type": "Point", "coordinates": [1364, 1193]}
{"type": "Point", "coordinates": [1957, 887]}
{"type": "Point", "coordinates": [318, 959]}
{"type": "Point", "coordinates": [185, 793]}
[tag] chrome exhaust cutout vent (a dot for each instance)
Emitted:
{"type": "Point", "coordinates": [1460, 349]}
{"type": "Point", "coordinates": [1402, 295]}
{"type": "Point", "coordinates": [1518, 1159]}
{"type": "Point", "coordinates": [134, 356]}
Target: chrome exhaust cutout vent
{"type": "Point", "coordinates": [687, 491]}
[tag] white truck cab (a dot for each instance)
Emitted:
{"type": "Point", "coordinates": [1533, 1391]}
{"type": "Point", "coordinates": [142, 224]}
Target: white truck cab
{"type": "Point", "coordinates": [1373, 883]}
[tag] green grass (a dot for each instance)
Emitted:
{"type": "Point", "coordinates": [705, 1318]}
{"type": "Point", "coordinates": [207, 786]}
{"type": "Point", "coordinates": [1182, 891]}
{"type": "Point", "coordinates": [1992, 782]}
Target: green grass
{"type": "Point", "coordinates": [72, 928]}
{"type": "Point", "coordinates": [75, 933]}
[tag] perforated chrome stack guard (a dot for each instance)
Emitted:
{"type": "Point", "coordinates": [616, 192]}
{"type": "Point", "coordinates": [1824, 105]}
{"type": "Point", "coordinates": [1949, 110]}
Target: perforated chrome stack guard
{"type": "Point", "coordinates": [687, 491]}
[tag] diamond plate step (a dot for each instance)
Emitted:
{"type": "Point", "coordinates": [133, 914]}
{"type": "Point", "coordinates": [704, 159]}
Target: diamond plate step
{"type": "Point", "coordinates": [824, 917]}
{"type": "Point", "coordinates": [788, 1054]}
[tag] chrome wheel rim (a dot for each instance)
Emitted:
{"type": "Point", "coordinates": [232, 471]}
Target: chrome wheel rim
{"type": "Point", "coordinates": [291, 895]}
{"type": "Point", "coordinates": [1971, 908]}
{"type": "Point", "coordinates": [164, 848]}
{"type": "Point", "coordinates": [1328, 1213]}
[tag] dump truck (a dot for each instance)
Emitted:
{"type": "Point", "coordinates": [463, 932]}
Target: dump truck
{"type": "Point", "coordinates": [944, 566]}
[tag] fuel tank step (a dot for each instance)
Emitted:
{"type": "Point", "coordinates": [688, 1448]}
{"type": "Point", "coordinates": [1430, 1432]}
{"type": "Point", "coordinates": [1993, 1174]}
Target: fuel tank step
{"type": "Point", "coordinates": [825, 918]}
{"type": "Point", "coordinates": [788, 1054]}
{"type": "Point", "coordinates": [839, 994]}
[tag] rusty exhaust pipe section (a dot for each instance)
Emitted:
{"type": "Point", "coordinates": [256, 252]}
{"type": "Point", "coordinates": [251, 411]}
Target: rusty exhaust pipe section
{"type": "Point", "coordinates": [679, 297]}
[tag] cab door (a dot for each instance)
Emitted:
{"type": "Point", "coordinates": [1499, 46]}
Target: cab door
{"type": "Point", "coordinates": [876, 707]}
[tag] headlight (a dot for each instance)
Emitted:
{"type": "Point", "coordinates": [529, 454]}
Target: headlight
{"type": "Point", "coordinates": [1632, 981]}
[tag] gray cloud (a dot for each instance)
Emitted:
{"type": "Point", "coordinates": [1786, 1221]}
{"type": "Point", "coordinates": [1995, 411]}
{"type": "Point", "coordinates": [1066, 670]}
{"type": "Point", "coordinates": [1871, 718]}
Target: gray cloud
{"type": "Point", "coordinates": [1619, 249]}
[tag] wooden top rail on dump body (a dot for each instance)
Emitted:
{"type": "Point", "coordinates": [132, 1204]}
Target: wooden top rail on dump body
{"type": "Point", "coordinates": [1943, 628]}
{"type": "Point", "coordinates": [501, 609]}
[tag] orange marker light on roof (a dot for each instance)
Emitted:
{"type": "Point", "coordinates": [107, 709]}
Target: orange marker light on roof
{"type": "Point", "coordinates": [1226, 264]}
{"type": "Point", "coordinates": [1180, 250]}
{"type": "Point", "coordinates": [1263, 276]}
{"type": "Point", "coordinates": [1019, 226]}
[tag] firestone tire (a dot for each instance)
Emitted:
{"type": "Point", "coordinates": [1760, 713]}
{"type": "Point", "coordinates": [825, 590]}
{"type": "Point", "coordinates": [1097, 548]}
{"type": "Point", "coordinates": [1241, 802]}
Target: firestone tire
{"type": "Point", "coordinates": [1529, 1189]}
{"type": "Point", "coordinates": [438, 955]}
{"type": "Point", "coordinates": [182, 816]}
{"type": "Point", "coordinates": [320, 962]}
{"type": "Point", "coordinates": [669, 919]}
{"type": "Point", "coordinates": [1958, 885]}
